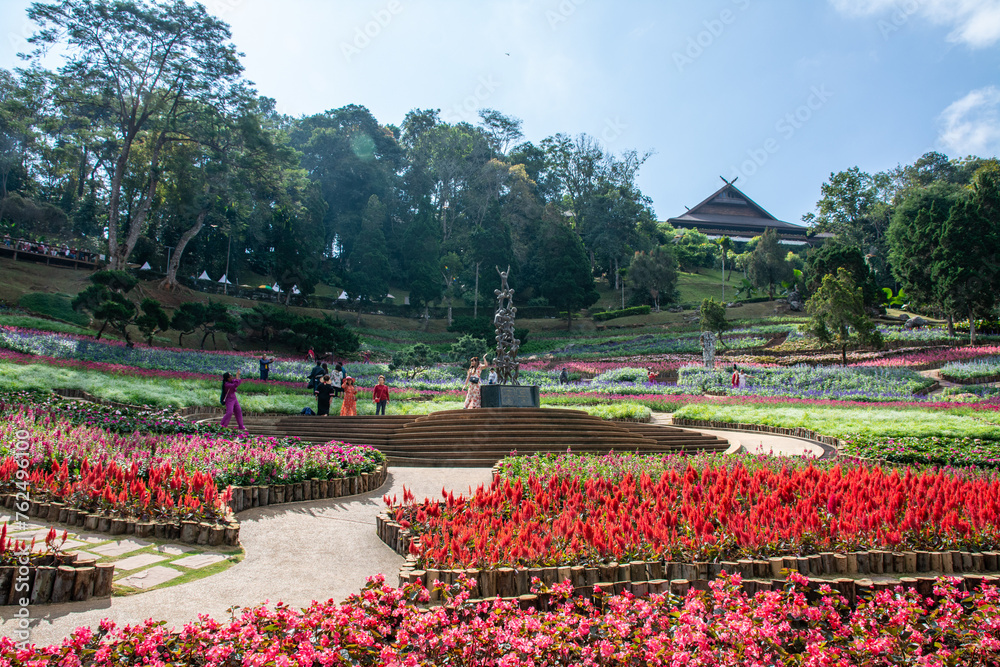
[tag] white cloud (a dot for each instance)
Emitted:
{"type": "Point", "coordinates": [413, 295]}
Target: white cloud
{"type": "Point", "coordinates": [971, 125]}
{"type": "Point", "coordinates": [975, 23]}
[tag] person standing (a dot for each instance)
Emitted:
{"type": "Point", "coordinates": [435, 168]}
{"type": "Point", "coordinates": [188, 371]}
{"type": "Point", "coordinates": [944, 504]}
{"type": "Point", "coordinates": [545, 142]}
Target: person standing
{"type": "Point", "coordinates": [311, 355]}
{"type": "Point", "coordinates": [337, 379]}
{"type": "Point", "coordinates": [743, 381]}
{"type": "Point", "coordinates": [265, 366]}
{"type": "Point", "coordinates": [349, 406]}
{"type": "Point", "coordinates": [651, 375]}
{"type": "Point", "coordinates": [323, 393]}
{"type": "Point", "coordinates": [380, 395]}
{"type": "Point", "coordinates": [473, 396]}
{"type": "Point", "coordinates": [229, 399]}
{"type": "Point", "coordinates": [564, 377]}
{"type": "Point", "coordinates": [314, 375]}
{"type": "Point", "coordinates": [492, 378]}
{"type": "Point", "coordinates": [735, 380]}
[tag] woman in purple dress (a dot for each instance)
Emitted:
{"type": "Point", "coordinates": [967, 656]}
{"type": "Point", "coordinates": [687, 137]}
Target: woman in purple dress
{"type": "Point", "coordinates": [229, 399]}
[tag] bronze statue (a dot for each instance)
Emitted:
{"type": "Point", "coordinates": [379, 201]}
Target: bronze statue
{"type": "Point", "coordinates": [507, 345]}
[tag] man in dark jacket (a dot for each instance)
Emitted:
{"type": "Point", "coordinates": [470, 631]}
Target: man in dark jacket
{"type": "Point", "coordinates": [265, 366]}
{"type": "Point", "coordinates": [314, 375]}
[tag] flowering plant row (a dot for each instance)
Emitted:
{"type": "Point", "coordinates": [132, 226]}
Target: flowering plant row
{"type": "Point", "coordinates": [108, 489]}
{"type": "Point", "coordinates": [721, 627]}
{"type": "Point", "coordinates": [982, 369]}
{"type": "Point", "coordinates": [810, 381]}
{"type": "Point", "coordinates": [228, 459]}
{"type": "Point", "coordinates": [122, 420]}
{"type": "Point", "coordinates": [711, 510]}
{"type": "Point", "coordinates": [938, 451]}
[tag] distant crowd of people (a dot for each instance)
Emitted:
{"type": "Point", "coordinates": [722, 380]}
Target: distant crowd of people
{"type": "Point", "coordinates": [49, 249]}
{"type": "Point", "coordinates": [327, 384]}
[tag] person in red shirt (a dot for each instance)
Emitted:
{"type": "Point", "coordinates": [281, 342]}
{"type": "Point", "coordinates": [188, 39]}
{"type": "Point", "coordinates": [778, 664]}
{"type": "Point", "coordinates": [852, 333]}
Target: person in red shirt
{"type": "Point", "coordinates": [380, 395]}
{"type": "Point", "coordinates": [651, 376]}
{"type": "Point", "coordinates": [735, 381]}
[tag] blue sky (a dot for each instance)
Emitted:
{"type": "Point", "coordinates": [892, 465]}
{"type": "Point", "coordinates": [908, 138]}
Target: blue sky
{"type": "Point", "coordinates": [779, 93]}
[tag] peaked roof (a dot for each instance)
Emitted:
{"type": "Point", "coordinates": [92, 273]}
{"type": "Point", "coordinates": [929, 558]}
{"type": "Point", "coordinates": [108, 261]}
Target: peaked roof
{"type": "Point", "coordinates": [730, 207]}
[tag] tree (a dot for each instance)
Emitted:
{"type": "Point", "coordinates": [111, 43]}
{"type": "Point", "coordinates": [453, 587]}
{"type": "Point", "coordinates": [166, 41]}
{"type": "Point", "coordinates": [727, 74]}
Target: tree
{"type": "Point", "coordinates": [654, 273]}
{"type": "Point", "coordinates": [326, 334]}
{"type": "Point", "coordinates": [856, 208]}
{"type": "Point", "coordinates": [767, 266]}
{"type": "Point", "coordinates": [960, 272]}
{"type": "Point", "coordinates": [566, 279]}
{"type": "Point", "coordinates": [218, 320]}
{"type": "Point", "coordinates": [187, 318]}
{"type": "Point", "coordinates": [725, 249]}
{"type": "Point", "coordinates": [833, 255]}
{"type": "Point", "coordinates": [105, 298]}
{"type": "Point", "coordinates": [370, 271]}
{"type": "Point", "coordinates": [694, 250]}
{"type": "Point", "coordinates": [414, 360]}
{"type": "Point", "coordinates": [153, 319]}
{"type": "Point", "coordinates": [914, 236]}
{"type": "Point", "coordinates": [138, 65]}
{"type": "Point", "coordinates": [838, 316]}
{"type": "Point", "coordinates": [713, 317]}
{"type": "Point", "coordinates": [467, 347]}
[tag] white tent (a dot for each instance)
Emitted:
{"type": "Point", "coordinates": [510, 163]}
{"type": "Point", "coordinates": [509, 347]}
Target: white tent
{"type": "Point", "coordinates": [342, 297]}
{"type": "Point", "coordinates": [389, 296]}
{"type": "Point", "coordinates": [145, 267]}
{"type": "Point", "coordinates": [204, 276]}
{"type": "Point", "coordinates": [275, 288]}
{"type": "Point", "coordinates": [224, 279]}
{"type": "Point", "coordinates": [406, 301]}
{"type": "Point", "coordinates": [295, 289]}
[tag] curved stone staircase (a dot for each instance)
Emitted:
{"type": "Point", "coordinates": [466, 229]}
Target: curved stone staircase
{"type": "Point", "coordinates": [460, 438]}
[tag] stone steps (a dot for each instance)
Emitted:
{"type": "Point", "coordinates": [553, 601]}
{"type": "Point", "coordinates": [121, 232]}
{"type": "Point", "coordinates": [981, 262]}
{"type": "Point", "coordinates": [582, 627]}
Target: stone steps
{"type": "Point", "coordinates": [474, 438]}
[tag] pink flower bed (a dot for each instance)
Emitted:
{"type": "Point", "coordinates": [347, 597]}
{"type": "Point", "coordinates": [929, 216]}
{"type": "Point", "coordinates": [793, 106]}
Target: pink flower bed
{"type": "Point", "coordinates": [933, 358]}
{"type": "Point", "coordinates": [721, 627]}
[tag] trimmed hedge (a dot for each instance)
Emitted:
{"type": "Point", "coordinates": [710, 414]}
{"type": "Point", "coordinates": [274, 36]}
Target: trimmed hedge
{"type": "Point", "coordinates": [624, 312]}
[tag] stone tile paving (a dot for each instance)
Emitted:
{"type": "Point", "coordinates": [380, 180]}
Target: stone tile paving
{"type": "Point", "coordinates": [135, 562]}
{"type": "Point", "coordinates": [139, 564]}
{"type": "Point", "coordinates": [199, 561]}
{"type": "Point", "coordinates": [154, 576]}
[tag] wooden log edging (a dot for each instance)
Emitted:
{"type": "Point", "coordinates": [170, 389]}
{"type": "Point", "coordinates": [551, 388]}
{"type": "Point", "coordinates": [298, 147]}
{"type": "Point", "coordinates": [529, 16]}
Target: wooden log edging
{"type": "Point", "coordinates": [193, 532]}
{"type": "Point", "coordinates": [971, 381]}
{"type": "Point", "coordinates": [844, 572]}
{"type": "Point", "coordinates": [55, 579]}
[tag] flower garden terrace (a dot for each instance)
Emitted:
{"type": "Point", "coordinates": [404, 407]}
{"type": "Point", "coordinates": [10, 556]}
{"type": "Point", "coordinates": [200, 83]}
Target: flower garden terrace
{"type": "Point", "coordinates": [145, 466]}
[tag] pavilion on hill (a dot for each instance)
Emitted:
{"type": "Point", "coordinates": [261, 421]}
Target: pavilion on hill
{"type": "Point", "coordinates": [729, 212]}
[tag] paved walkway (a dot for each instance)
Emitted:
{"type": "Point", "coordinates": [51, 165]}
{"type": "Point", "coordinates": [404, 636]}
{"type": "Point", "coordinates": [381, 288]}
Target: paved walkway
{"type": "Point", "coordinates": [303, 552]}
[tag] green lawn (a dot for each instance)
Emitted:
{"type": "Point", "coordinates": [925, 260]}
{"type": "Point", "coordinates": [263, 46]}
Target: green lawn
{"type": "Point", "coordinates": [843, 422]}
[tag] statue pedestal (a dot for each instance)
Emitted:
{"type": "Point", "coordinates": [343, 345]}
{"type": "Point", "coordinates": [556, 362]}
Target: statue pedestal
{"type": "Point", "coordinates": [509, 396]}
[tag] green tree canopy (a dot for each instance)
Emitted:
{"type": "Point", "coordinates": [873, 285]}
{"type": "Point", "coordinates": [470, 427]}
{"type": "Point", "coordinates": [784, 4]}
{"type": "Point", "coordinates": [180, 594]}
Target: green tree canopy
{"type": "Point", "coordinates": [838, 316]}
{"type": "Point", "coordinates": [767, 266]}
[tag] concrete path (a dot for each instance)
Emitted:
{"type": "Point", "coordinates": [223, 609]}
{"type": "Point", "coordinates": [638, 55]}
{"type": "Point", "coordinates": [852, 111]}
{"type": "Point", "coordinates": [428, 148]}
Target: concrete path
{"type": "Point", "coordinates": [307, 551]}
{"type": "Point", "coordinates": [754, 443]}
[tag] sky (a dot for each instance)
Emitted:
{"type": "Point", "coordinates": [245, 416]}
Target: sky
{"type": "Point", "coordinates": [777, 93]}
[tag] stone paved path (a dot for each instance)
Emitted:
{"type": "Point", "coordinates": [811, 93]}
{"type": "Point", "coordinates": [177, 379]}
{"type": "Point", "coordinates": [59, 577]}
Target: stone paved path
{"type": "Point", "coordinates": [301, 552]}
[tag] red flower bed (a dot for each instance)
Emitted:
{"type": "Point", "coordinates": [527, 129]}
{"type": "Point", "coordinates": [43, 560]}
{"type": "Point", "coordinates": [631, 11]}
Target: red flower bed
{"type": "Point", "coordinates": [722, 627]}
{"type": "Point", "coordinates": [720, 511]}
{"type": "Point", "coordinates": [109, 489]}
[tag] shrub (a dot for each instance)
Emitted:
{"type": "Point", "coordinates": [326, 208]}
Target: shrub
{"type": "Point", "coordinates": [624, 312]}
